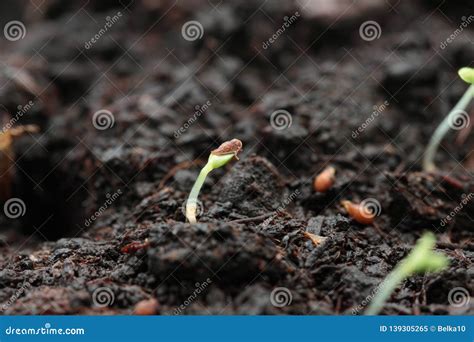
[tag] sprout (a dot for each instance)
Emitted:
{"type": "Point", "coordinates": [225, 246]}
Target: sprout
{"type": "Point", "coordinates": [420, 260]}
{"type": "Point", "coordinates": [467, 75]}
{"type": "Point", "coordinates": [218, 158]}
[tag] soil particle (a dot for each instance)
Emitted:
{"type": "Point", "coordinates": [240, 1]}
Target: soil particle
{"type": "Point", "coordinates": [51, 301]}
{"type": "Point", "coordinates": [421, 201]}
{"type": "Point", "coordinates": [178, 252]}
{"type": "Point", "coordinates": [253, 185]}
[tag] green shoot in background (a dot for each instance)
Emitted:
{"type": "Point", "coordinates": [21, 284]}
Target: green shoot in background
{"type": "Point", "coordinates": [422, 259]}
{"type": "Point", "coordinates": [467, 75]}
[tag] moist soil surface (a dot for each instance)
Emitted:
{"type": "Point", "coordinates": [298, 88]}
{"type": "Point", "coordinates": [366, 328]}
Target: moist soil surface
{"type": "Point", "coordinates": [103, 226]}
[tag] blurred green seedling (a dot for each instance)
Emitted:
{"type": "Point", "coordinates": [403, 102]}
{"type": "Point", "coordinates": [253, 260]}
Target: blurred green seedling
{"type": "Point", "coordinates": [456, 118]}
{"type": "Point", "coordinates": [422, 259]}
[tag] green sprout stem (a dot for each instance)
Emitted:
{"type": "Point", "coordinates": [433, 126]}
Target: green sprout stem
{"type": "Point", "coordinates": [218, 158]}
{"type": "Point", "coordinates": [191, 204]}
{"type": "Point", "coordinates": [386, 288]}
{"type": "Point", "coordinates": [420, 260]}
{"type": "Point", "coordinates": [428, 159]}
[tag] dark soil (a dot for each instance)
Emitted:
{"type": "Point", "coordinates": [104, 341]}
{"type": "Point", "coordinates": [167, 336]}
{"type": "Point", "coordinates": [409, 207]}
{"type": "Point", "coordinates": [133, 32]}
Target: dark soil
{"type": "Point", "coordinates": [252, 232]}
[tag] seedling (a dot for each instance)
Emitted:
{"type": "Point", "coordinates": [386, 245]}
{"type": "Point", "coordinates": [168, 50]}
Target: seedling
{"type": "Point", "coordinates": [218, 158]}
{"type": "Point", "coordinates": [422, 259]}
{"type": "Point", "coordinates": [467, 75]}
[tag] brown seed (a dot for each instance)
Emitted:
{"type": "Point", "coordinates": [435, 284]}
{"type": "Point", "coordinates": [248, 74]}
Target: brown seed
{"type": "Point", "coordinates": [325, 180]}
{"type": "Point", "coordinates": [146, 307]}
{"type": "Point", "coordinates": [233, 146]}
{"type": "Point", "coordinates": [358, 212]}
